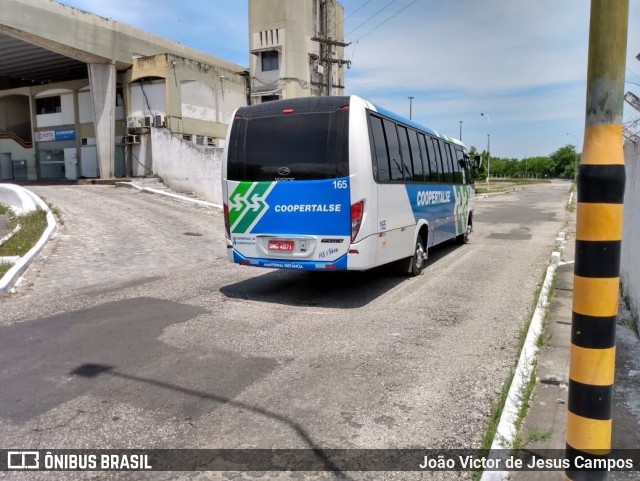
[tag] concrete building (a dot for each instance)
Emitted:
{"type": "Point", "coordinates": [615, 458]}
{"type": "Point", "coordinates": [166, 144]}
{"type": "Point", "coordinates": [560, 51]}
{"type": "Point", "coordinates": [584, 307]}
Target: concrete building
{"type": "Point", "coordinates": [80, 94]}
{"type": "Point", "coordinates": [297, 48]}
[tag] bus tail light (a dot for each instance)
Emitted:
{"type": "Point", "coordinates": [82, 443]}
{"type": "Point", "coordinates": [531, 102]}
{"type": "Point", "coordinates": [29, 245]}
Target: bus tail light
{"type": "Point", "coordinates": [225, 208]}
{"type": "Point", "coordinates": [357, 211]}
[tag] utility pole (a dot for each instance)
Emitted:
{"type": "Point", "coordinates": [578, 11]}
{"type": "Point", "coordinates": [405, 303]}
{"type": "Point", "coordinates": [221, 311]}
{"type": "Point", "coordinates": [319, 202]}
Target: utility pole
{"type": "Point", "coordinates": [486, 116]}
{"type": "Point", "coordinates": [598, 241]}
{"type": "Point", "coordinates": [460, 138]}
{"type": "Point", "coordinates": [411, 107]}
{"type": "Point", "coordinates": [327, 23]}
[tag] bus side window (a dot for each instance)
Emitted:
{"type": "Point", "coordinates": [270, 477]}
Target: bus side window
{"type": "Point", "coordinates": [455, 168]}
{"type": "Point", "coordinates": [434, 170]}
{"type": "Point", "coordinates": [395, 160]}
{"type": "Point", "coordinates": [452, 170]}
{"type": "Point", "coordinates": [379, 148]}
{"type": "Point", "coordinates": [445, 172]}
{"type": "Point", "coordinates": [236, 165]}
{"type": "Point", "coordinates": [460, 163]}
{"type": "Point", "coordinates": [419, 155]}
{"type": "Point", "coordinates": [407, 168]}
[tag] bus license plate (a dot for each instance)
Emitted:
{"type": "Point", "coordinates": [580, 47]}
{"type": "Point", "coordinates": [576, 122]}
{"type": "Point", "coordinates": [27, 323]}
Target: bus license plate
{"type": "Point", "coordinates": [281, 245]}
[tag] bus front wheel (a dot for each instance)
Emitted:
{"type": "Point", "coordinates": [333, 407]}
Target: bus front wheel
{"type": "Point", "coordinates": [419, 257]}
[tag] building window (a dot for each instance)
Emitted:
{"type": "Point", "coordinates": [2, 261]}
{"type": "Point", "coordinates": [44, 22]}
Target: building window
{"type": "Point", "coordinates": [269, 98]}
{"type": "Point", "coordinates": [119, 96]}
{"type": "Point", "coordinates": [48, 105]}
{"type": "Point", "coordinates": [270, 61]}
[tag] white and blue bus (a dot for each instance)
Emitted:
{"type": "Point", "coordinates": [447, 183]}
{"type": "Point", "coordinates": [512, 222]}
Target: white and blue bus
{"type": "Point", "coordinates": [337, 183]}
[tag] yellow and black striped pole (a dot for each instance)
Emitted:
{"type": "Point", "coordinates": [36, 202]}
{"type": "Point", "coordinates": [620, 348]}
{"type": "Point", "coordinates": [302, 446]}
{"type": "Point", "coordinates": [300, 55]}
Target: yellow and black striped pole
{"type": "Point", "coordinates": [601, 182]}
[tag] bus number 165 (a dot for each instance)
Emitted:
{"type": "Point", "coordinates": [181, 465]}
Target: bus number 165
{"type": "Point", "coordinates": [339, 184]}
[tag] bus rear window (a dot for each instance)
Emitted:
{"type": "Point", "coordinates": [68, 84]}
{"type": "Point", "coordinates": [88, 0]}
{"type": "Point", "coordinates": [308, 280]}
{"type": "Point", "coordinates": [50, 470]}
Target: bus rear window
{"type": "Point", "coordinates": [294, 146]}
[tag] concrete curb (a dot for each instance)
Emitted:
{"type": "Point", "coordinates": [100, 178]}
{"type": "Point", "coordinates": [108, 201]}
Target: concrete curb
{"type": "Point", "coordinates": [132, 185]}
{"type": "Point", "coordinates": [17, 198]}
{"type": "Point", "coordinates": [506, 431]}
{"type": "Point", "coordinates": [10, 278]}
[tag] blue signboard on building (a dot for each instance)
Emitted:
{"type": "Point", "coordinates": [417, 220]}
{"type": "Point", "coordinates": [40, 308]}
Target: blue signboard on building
{"type": "Point", "coordinates": [65, 134]}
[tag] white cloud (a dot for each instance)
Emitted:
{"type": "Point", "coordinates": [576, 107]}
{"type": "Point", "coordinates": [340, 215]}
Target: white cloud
{"type": "Point", "coordinates": [483, 47]}
{"type": "Point", "coordinates": [522, 61]}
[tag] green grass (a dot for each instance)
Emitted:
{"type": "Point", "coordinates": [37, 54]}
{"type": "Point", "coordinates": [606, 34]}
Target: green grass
{"type": "Point", "coordinates": [525, 397]}
{"type": "Point", "coordinates": [538, 436]}
{"type": "Point", "coordinates": [527, 392]}
{"type": "Point", "coordinates": [494, 419]}
{"type": "Point", "coordinates": [502, 185]}
{"type": "Point", "coordinates": [54, 210]}
{"type": "Point", "coordinates": [632, 321]}
{"type": "Point", "coordinates": [32, 226]}
{"type": "Point", "coordinates": [4, 268]}
{"type": "Point", "coordinates": [4, 210]}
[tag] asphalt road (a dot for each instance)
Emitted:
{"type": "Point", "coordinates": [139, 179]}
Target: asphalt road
{"type": "Point", "coordinates": [134, 331]}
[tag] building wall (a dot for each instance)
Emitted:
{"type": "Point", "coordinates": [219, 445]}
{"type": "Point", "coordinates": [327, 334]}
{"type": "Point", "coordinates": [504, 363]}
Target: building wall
{"type": "Point", "coordinates": [194, 97]}
{"type": "Point", "coordinates": [89, 37]}
{"type": "Point", "coordinates": [630, 261]}
{"type": "Point", "coordinates": [54, 132]}
{"type": "Point", "coordinates": [186, 167]}
{"type": "Point", "coordinates": [287, 27]}
{"type": "Point", "coordinates": [15, 115]}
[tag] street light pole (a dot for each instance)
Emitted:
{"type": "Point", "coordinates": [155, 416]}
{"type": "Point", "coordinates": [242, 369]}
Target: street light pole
{"type": "Point", "coordinates": [486, 116]}
{"type": "Point", "coordinates": [460, 130]}
{"type": "Point", "coordinates": [411, 107]}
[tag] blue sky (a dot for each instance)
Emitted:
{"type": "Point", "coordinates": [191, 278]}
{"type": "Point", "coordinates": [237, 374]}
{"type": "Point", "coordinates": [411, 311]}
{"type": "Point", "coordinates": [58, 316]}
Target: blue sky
{"type": "Point", "coordinates": [522, 62]}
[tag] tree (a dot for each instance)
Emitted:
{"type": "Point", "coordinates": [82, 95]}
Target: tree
{"type": "Point", "coordinates": [479, 173]}
{"type": "Point", "coordinates": [563, 161]}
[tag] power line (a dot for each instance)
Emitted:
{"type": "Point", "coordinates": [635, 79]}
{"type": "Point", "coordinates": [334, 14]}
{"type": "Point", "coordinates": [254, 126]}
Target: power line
{"type": "Point", "coordinates": [358, 9]}
{"type": "Point", "coordinates": [386, 20]}
{"type": "Point", "coordinates": [373, 16]}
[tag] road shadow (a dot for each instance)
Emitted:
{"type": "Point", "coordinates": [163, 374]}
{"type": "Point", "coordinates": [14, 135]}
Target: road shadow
{"type": "Point", "coordinates": [341, 289]}
{"type": "Point", "coordinates": [321, 461]}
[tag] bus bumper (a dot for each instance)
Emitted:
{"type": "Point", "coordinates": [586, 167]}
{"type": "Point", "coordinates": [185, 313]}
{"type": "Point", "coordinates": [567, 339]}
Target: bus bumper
{"type": "Point", "coordinates": [292, 264]}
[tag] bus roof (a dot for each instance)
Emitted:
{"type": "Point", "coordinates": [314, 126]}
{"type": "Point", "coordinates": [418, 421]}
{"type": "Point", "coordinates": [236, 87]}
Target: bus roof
{"type": "Point", "coordinates": [404, 120]}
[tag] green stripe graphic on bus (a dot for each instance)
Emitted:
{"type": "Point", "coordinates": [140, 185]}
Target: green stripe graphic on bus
{"type": "Point", "coordinates": [461, 209]}
{"type": "Point", "coordinates": [247, 205]}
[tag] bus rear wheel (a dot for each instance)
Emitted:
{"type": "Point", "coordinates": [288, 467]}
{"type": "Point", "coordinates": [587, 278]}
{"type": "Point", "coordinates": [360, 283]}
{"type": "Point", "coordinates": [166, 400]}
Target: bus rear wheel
{"type": "Point", "coordinates": [464, 237]}
{"type": "Point", "coordinates": [419, 257]}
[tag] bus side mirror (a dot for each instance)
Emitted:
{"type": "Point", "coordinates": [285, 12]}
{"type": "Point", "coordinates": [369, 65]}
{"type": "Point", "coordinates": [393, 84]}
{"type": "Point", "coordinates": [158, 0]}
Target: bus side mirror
{"type": "Point", "coordinates": [477, 161]}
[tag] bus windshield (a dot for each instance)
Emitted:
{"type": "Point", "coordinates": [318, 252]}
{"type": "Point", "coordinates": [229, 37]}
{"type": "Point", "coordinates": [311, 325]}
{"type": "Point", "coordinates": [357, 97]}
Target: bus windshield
{"type": "Point", "coordinates": [289, 146]}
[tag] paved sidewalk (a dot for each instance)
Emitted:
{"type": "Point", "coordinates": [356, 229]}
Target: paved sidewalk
{"type": "Point", "coordinates": [545, 424]}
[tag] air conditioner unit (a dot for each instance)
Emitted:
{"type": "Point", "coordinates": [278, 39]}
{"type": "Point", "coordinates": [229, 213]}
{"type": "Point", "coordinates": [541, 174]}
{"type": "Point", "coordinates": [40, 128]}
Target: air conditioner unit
{"type": "Point", "coordinates": [132, 139]}
{"type": "Point", "coordinates": [133, 122]}
{"type": "Point", "coordinates": [211, 142]}
{"type": "Point", "coordinates": [148, 121]}
{"type": "Point", "coordinates": [199, 140]}
{"type": "Point", "coordinates": [160, 120]}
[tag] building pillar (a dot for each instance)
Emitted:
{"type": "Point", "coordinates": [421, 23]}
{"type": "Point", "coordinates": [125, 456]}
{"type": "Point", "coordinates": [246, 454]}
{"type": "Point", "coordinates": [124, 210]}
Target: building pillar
{"type": "Point", "coordinates": [102, 81]}
{"type": "Point", "coordinates": [32, 164]}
